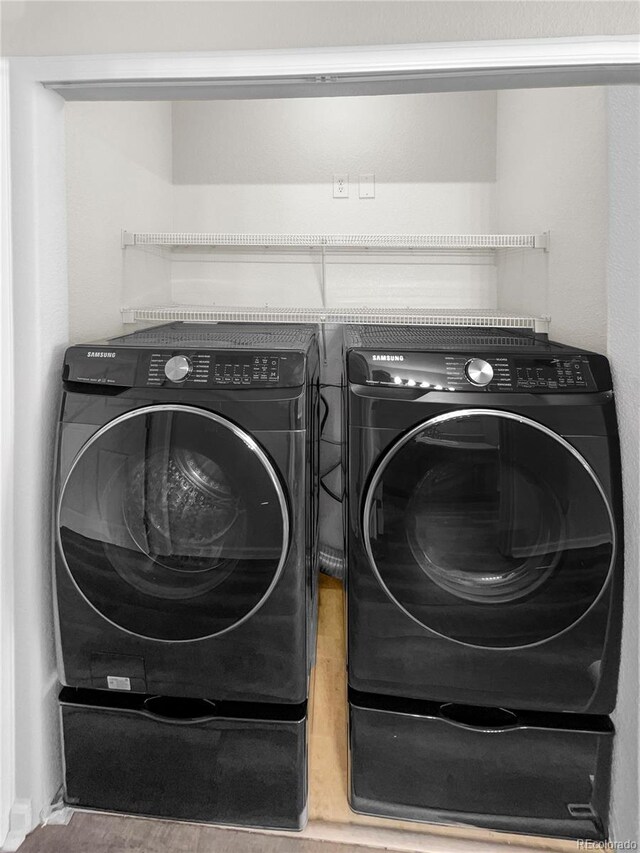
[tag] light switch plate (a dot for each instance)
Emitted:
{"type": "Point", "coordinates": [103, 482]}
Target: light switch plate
{"type": "Point", "coordinates": [367, 185]}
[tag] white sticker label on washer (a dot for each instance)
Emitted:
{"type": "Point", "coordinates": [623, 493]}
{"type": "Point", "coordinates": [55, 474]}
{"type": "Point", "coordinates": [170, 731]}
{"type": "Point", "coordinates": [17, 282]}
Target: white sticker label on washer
{"type": "Point", "coordinates": [118, 682]}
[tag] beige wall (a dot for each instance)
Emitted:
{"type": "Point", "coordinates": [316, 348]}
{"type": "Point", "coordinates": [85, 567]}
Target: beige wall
{"type": "Point", "coordinates": [50, 28]}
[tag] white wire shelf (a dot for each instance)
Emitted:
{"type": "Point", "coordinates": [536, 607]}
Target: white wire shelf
{"type": "Point", "coordinates": [437, 242]}
{"type": "Point", "coordinates": [390, 316]}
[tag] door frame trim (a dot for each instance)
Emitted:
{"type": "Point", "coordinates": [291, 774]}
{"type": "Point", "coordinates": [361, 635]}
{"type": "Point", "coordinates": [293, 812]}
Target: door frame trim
{"type": "Point", "coordinates": [7, 650]}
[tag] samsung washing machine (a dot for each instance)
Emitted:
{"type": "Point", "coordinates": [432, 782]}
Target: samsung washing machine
{"type": "Point", "coordinates": [185, 564]}
{"type": "Point", "coordinates": [484, 577]}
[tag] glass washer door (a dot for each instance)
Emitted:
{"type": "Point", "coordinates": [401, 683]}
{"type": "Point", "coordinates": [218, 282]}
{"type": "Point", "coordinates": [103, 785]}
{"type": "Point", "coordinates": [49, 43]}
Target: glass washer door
{"type": "Point", "coordinates": [173, 523]}
{"type": "Point", "coordinates": [488, 529]}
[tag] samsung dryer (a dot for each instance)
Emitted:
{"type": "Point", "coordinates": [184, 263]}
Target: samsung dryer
{"type": "Point", "coordinates": [484, 521]}
{"type": "Point", "coordinates": [484, 578]}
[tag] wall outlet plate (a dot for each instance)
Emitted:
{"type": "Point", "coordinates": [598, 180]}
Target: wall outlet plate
{"type": "Point", "coordinates": [341, 186]}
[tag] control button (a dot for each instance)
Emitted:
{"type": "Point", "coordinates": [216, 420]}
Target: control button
{"type": "Point", "coordinates": [478, 371]}
{"type": "Point", "coordinates": [424, 385]}
{"type": "Point", "coordinates": [177, 368]}
{"type": "Point", "coordinates": [397, 380]}
{"type": "Point", "coordinates": [411, 382]}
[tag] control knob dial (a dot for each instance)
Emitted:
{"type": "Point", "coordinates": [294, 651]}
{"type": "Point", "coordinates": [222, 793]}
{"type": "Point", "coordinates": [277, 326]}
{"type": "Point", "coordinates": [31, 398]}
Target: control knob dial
{"type": "Point", "coordinates": [177, 368]}
{"type": "Point", "coordinates": [478, 371]}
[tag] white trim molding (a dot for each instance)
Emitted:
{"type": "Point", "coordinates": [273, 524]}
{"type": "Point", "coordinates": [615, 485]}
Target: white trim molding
{"type": "Point", "coordinates": [40, 332]}
{"type": "Point", "coordinates": [20, 825]}
{"type": "Point", "coordinates": [392, 69]}
{"type": "Point", "coordinates": [7, 695]}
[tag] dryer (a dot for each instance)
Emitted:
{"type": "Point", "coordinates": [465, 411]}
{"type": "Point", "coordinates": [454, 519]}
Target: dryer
{"type": "Point", "coordinates": [185, 538]}
{"type": "Point", "coordinates": [484, 532]}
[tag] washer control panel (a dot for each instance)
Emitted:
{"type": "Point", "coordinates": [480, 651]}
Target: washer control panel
{"type": "Point", "coordinates": [469, 372]}
{"type": "Point", "coordinates": [129, 367]}
{"type": "Point", "coordinates": [213, 369]}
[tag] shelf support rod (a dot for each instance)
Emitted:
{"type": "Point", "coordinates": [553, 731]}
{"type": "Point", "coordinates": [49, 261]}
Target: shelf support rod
{"type": "Point", "coordinates": [323, 273]}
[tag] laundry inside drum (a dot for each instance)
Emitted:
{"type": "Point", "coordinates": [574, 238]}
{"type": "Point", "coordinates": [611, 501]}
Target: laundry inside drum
{"type": "Point", "coordinates": [181, 510]}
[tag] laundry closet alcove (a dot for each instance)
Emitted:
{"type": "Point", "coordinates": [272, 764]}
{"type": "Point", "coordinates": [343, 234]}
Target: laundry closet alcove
{"type": "Point", "coordinates": [120, 143]}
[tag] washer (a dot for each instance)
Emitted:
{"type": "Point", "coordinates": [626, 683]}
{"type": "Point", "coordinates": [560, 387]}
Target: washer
{"type": "Point", "coordinates": [484, 547]}
{"type": "Point", "coordinates": [186, 512]}
{"type": "Point", "coordinates": [185, 556]}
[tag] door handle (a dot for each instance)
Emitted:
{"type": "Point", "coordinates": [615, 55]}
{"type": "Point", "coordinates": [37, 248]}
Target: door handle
{"type": "Point", "coordinates": [478, 718]}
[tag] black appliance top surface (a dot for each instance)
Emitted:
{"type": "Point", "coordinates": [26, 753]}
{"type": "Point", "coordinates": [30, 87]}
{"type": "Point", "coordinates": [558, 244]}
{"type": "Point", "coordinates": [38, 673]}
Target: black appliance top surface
{"type": "Point", "coordinates": [479, 359]}
{"type": "Point", "coordinates": [456, 338]}
{"type": "Point", "coordinates": [197, 357]}
{"type": "Point", "coordinates": [226, 336]}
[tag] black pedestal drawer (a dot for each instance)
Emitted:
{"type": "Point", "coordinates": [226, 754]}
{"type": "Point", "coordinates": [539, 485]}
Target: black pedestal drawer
{"type": "Point", "coordinates": [537, 773]}
{"type": "Point", "coordinates": [188, 759]}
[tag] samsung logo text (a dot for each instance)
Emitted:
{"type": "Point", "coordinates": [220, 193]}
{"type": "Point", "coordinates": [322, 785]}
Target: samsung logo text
{"type": "Point", "coordinates": [99, 354]}
{"type": "Point", "coordinates": [388, 358]}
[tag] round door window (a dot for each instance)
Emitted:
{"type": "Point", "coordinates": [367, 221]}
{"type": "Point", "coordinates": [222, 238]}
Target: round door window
{"type": "Point", "coordinates": [173, 523]}
{"type": "Point", "coordinates": [488, 529]}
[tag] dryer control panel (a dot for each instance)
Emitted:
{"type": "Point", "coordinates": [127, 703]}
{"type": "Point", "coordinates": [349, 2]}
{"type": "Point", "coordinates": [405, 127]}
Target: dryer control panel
{"type": "Point", "coordinates": [541, 374]}
{"type": "Point", "coordinates": [131, 367]}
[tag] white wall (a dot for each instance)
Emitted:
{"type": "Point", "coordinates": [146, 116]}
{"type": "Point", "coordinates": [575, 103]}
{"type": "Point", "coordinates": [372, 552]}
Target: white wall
{"type": "Point", "coordinates": [624, 351]}
{"type": "Point", "coordinates": [268, 166]}
{"type": "Point", "coordinates": [552, 174]}
{"type": "Point", "coordinates": [119, 163]}
{"type": "Point", "coordinates": [50, 28]}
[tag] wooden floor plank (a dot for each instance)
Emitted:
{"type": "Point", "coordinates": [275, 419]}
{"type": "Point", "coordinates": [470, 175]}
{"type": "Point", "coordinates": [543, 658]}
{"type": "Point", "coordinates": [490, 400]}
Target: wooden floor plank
{"type": "Point", "coordinates": [102, 833]}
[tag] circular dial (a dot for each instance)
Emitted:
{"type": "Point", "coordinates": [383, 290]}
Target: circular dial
{"type": "Point", "coordinates": [177, 368]}
{"type": "Point", "coordinates": [478, 371]}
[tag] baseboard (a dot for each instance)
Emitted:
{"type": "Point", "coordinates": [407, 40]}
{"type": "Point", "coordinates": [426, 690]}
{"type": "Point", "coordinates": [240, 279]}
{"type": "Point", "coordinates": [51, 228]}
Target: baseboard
{"type": "Point", "coordinates": [20, 824]}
